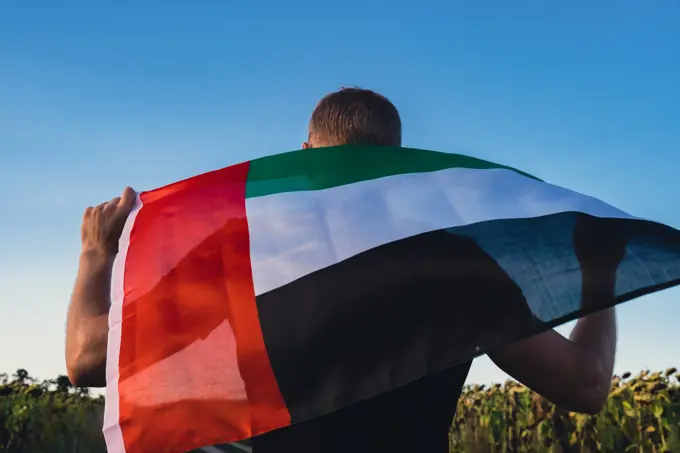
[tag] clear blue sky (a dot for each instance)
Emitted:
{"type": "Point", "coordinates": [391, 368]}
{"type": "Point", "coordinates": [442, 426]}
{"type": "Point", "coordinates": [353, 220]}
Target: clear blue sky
{"type": "Point", "coordinates": [93, 98]}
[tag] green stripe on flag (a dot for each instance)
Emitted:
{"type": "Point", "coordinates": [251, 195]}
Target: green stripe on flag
{"type": "Point", "coordinates": [323, 168]}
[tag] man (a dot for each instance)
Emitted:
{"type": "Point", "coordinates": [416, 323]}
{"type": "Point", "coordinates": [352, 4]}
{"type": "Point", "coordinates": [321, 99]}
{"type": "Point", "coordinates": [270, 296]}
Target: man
{"type": "Point", "coordinates": [574, 373]}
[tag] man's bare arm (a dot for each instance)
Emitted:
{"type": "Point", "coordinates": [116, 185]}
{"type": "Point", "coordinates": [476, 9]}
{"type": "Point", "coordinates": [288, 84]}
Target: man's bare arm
{"type": "Point", "coordinates": [87, 321]}
{"type": "Point", "coordinates": [576, 373]}
{"type": "Point", "coordinates": [573, 373]}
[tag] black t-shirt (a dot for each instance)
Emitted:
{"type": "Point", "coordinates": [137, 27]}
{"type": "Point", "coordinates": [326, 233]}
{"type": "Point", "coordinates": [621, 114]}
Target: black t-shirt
{"type": "Point", "coordinates": [413, 418]}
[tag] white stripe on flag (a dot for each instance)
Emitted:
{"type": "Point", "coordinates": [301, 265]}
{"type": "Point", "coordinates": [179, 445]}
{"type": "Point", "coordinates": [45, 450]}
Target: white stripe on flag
{"type": "Point", "coordinates": [111, 428]}
{"type": "Point", "coordinates": [293, 234]}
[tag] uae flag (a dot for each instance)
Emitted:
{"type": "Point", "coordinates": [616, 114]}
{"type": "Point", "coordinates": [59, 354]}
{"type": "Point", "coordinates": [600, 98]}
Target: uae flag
{"type": "Point", "coordinates": [281, 289]}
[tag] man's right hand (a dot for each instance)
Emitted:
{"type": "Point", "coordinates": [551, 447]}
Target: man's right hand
{"type": "Point", "coordinates": [577, 373]}
{"type": "Point", "coordinates": [103, 224]}
{"type": "Point", "coordinates": [87, 322]}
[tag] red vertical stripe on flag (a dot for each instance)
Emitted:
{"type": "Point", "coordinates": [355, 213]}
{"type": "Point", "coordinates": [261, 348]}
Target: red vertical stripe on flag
{"type": "Point", "coordinates": [193, 366]}
{"type": "Point", "coordinates": [268, 409]}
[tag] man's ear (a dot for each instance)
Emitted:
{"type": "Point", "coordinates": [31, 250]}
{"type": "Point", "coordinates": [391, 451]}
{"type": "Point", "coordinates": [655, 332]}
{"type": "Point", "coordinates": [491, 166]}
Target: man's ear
{"type": "Point", "coordinates": [306, 145]}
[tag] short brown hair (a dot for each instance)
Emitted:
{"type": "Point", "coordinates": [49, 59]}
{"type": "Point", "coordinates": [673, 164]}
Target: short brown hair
{"type": "Point", "coordinates": [355, 116]}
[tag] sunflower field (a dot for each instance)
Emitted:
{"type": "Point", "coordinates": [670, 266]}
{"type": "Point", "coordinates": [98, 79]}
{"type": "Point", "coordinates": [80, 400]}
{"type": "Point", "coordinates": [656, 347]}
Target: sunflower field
{"type": "Point", "coordinates": [642, 415]}
{"type": "Point", "coordinates": [48, 417]}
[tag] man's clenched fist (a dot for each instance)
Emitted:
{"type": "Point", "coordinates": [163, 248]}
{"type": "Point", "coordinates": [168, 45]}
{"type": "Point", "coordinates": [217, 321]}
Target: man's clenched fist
{"type": "Point", "coordinates": [103, 224]}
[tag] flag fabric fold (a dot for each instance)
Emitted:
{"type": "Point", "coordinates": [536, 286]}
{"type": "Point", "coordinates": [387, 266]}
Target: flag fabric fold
{"type": "Point", "coordinates": [280, 289]}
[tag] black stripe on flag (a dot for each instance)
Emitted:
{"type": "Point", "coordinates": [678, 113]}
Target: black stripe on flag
{"type": "Point", "coordinates": [393, 314]}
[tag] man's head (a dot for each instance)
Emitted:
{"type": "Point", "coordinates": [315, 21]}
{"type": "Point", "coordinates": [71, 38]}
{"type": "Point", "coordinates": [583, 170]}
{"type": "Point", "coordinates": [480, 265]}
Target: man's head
{"type": "Point", "coordinates": [353, 116]}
